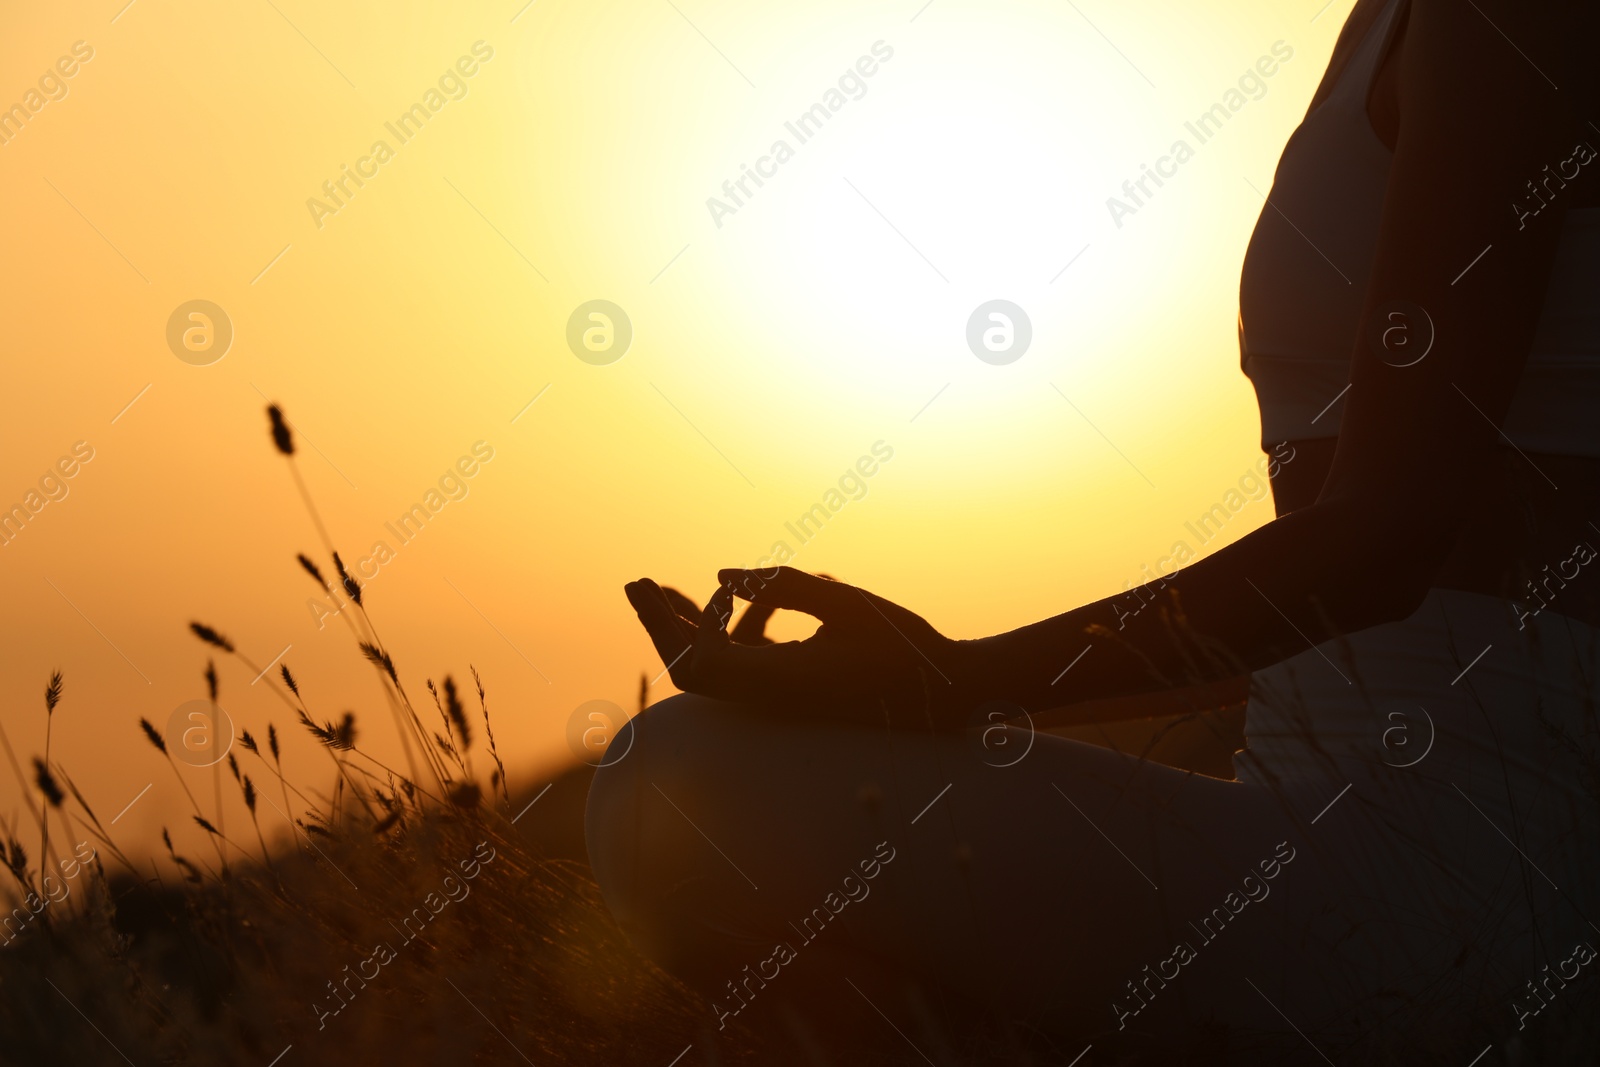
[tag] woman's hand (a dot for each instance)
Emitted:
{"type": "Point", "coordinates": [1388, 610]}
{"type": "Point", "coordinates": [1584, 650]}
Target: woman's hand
{"type": "Point", "coordinates": [866, 647]}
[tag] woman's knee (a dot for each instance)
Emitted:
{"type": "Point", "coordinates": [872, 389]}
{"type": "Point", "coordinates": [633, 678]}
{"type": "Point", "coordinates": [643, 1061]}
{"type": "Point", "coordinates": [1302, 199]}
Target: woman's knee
{"type": "Point", "coordinates": [653, 745]}
{"type": "Point", "coordinates": [647, 851]}
{"type": "Point", "coordinates": [660, 745]}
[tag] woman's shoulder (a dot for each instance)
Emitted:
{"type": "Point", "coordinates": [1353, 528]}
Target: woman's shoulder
{"type": "Point", "coordinates": [1351, 34]}
{"type": "Point", "coordinates": [1555, 40]}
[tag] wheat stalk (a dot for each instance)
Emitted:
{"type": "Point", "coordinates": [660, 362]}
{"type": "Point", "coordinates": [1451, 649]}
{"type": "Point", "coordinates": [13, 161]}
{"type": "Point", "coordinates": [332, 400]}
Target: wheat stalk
{"type": "Point", "coordinates": [500, 768]}
{"type": "Point", "coordinates": [342, 739]}
{"type": "Point", "coordinates": [52, 697]}
{"type": "Point", "coordinates": [22, 781]}
{"type": "Point", "coordinates": [154, 737]}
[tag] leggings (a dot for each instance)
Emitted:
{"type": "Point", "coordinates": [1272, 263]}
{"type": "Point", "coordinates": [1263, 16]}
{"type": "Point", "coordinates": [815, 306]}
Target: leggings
{"type": "Point", "coordinates": [1328, 898]}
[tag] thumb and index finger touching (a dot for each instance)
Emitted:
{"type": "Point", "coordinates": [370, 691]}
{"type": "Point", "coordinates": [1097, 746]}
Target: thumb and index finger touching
{"type": "Point", "coordinates": [796, 590]}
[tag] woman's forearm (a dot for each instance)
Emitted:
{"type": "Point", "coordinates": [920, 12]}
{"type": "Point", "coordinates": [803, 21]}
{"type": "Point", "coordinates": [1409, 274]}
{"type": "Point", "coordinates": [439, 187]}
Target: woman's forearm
{"type": "Point", "coordinates": [1297, 581]}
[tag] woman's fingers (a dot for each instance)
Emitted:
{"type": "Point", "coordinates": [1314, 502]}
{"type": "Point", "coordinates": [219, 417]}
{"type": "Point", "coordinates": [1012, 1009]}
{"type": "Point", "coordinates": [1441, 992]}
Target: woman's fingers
{"type": "Point", "coordinates": [713, 629]}
{"type": "Point", "coordinates": [749, 630]}
{"type": "Point", "coordinates": [795, 589]}
{"type": "Point", "coordinates": [671, 635]}
{"type": "Point", "coordinates": [831, 601]}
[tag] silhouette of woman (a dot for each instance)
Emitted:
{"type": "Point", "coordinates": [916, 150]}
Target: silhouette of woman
{"type": "Point", "coordinates": [1407, 857]}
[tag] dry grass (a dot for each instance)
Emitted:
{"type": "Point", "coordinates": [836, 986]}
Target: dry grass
{"type": "Point", "coordinates": [408, 921]}
{"type": "Point", "coordinates": [519, 961]}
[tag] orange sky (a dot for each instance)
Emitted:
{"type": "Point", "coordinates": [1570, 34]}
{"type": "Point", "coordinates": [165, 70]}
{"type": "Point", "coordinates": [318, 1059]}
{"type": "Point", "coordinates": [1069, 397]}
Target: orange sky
{"type": "Point", "coordinates": [566, 154]}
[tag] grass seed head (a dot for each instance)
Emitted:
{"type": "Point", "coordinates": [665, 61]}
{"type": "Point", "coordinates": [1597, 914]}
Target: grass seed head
{"type": "Point", "coordinates": [17, 859]}
{"type": "Point", "coordinates": [281, 437]}
{"type": "Point", "coordinates": [458, 716]}
{"type": "Point", "coordinates": [312, 569]}
{"type": "Point", "coordinates": [47, 783]}
{"type": "Point", "coordinates": [52, 693]}
{"type": "Point", "coordinates": [154, 735]}
{"type": "Point", "coordinates": [344, 735]}
{"type": "Point", "coordinates": [351, 586]}
{"type": "Point", "coordinates": [210, 636]}
{"type": "Point", "coordinates": [381, 659]}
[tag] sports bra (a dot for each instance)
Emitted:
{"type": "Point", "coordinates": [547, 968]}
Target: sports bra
{"type": "Point", "coordinates": [1304, 281]}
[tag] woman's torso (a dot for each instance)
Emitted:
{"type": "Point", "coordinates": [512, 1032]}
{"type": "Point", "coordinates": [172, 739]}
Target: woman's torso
{"type": "Point", "coordinates": [1521, 529]}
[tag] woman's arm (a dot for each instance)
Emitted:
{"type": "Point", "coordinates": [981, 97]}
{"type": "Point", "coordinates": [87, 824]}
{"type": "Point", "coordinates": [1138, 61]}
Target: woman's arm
{"type": "Point", "coordinates": [1478, 122]}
